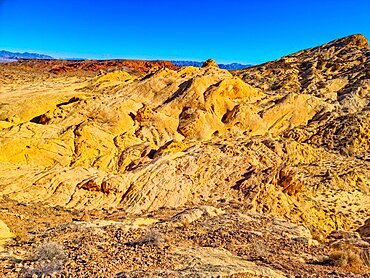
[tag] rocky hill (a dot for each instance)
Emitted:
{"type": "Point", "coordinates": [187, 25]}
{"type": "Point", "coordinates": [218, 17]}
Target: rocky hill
{"type": "Point", "coordinates": [193, 153]}
{"type": "Point", "coordinates": [92, 67]}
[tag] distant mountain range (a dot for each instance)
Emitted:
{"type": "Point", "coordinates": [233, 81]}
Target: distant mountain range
{"type": "Point", "coordinates": [13, 56]}
{"type": "Point", "coordinates": [232, 66]}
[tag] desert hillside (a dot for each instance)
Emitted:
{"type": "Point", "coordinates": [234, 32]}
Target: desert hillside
{"type": "Point", "coordinates": [261, 172]}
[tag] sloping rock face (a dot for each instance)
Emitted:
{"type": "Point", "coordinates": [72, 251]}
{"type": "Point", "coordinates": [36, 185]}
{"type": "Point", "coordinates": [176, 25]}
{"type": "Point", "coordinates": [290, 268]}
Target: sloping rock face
{"type": "Point", "coordinates": [289, 138]}
{"type": "Point", "coordinates": [337, 74]}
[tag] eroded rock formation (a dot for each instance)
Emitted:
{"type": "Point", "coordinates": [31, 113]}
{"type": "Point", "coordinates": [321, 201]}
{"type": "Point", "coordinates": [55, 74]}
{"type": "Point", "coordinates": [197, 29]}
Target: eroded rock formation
{"type": "Point", "coordinates": [289, 137]}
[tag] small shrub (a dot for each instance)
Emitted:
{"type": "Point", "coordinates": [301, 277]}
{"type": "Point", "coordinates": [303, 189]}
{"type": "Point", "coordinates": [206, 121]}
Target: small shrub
{"type": "Point", "coordinates": [259, 250]}
{"type": "Point", "coordinates": [152, 237]}
{"type": "Point", "coordinates": [42, 269]}
{"type": "Point", "coordinates": [49, 251]}
{"type": "Point", "coordinates": [348, 257]}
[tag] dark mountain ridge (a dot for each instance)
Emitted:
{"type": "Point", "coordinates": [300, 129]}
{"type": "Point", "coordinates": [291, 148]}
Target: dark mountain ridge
{"type": "Point", "coordinates": [7, 55]}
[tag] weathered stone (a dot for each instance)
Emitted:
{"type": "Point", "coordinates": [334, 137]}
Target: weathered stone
{"type": "Point", "coordinates": [5, 234]}
{"type": "Point", "coordinates": [289, 137]}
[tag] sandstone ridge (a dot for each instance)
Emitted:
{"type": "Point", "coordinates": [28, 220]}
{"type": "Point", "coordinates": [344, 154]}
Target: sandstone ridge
{"type": "Point", "coordinates": [289, 137]}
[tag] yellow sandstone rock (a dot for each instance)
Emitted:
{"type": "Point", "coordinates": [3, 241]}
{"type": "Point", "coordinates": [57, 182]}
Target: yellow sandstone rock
{"type": "Point", "coordinates": [289, 137]}
{"type": "Point", "coordinates": [5, 234]}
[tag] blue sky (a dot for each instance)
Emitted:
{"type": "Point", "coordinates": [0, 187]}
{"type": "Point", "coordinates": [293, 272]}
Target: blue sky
{"type": "Point", "coordinates": [228, 31]}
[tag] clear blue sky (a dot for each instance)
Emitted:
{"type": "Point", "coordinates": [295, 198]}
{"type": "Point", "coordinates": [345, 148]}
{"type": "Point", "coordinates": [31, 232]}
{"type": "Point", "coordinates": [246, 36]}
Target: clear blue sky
{"type": "Point", "coordinates": [229, 30]}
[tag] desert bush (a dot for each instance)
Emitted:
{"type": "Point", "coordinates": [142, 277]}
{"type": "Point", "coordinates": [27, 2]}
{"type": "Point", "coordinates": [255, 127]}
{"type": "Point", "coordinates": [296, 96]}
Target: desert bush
{"type": "Point", "coordinates": [348, 257]}
{"type": "Point", "coordinates": [43, 269]}
{"type": "Point", "coordinates": [152, 237]}
{"type": "Point", "coordinates": [49, 251]}
{"type": "Point", "coordinates": [259, 250]}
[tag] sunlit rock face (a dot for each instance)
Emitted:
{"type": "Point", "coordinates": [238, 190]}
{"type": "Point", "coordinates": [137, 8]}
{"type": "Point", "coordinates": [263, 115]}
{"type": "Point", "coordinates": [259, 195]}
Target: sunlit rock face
{"type": "Point", "coordinates": [289, 137]}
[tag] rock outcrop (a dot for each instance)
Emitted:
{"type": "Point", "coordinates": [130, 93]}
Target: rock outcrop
{"type": "Point", "coordinates": [5, 234]}
{"type": "Point", "coordinates": [210, 63]}
{"type": "Point", "coordinates": [289, 137]}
